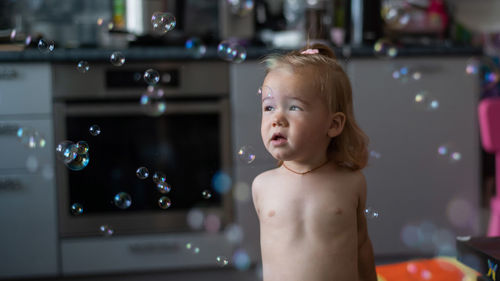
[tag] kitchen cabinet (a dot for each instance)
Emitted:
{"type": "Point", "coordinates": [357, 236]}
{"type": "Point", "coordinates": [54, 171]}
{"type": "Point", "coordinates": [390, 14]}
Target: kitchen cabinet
{"type": "Point", "coordinates": [410, 184]}
{"type": "Point", "coordinates": [28, 235]}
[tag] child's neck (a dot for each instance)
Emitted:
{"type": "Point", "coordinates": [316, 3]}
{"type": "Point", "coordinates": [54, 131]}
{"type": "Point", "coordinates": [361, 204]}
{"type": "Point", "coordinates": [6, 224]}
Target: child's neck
{"type": "Point", "coordinates": [301, 169]}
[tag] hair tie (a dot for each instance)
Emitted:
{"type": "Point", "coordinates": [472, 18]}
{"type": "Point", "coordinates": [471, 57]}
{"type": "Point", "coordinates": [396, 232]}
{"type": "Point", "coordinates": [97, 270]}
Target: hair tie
{"type": "Point", "coordinates": [310, 52]}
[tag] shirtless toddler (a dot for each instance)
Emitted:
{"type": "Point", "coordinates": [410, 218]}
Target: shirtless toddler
{"type": "Point", "coordinates": [311, 208]}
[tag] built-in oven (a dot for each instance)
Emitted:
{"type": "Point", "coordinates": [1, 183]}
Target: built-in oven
{"type": "Point", "coordinates": [178, 129]}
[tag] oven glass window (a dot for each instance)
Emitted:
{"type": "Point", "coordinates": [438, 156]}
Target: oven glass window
{"type": "Point", "coordinates": [185, 147]}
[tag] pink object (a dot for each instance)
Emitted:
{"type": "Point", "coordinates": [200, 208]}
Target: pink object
{"type": "Point", "coordinates": [489, 126]}
{"type": "Point", "coordinates": [310, 52]}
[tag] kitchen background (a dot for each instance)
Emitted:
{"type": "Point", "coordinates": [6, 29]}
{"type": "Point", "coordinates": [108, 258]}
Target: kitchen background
{"type": "Point", "coordinates": [129, 130]}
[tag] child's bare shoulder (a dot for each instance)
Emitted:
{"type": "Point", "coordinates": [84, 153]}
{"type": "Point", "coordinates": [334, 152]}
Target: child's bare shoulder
{"type": "Point", "coordinates": [264, 177]}
{"type": "Point", "coordinates": [354, 179]}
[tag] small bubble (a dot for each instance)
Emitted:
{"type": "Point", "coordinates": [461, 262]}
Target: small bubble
{"type": "Point", "coordinates": [117, 59]}
{"type": "Point", "coordinates": [164, 202]}
{"type": "Point", "coordinates": [27, 40]}
{"type": "Point", "coordinates": [196, 250]}
{"type": "Point", "coordinates": [385, 49]}
{"type": "Point", "coordinates": [375, 154]}
{"type": "Point", "coordinates": [189, 246]}
{"type": "Point", "coordinates": [159, 177]}
{"type": "Point", "coordinates": [142, 172]}
{"type": "Point", "coordinates": [231, 51]}
{"type": "Point", "coordinates": [240, 7]}
{"type": "Point", "coordinates": [196, 47]}
{"type": "Point", "coordinates": [46, 46]}
{"type": "Point", "coordinates": [222, 261]}
{"type": "Point", "coordinates": [13, 35]}
{"type": "Point", "coordinates": [206, 194]}
{"type": "Point", "coordinates": [83, 66]}
{"type": "Point", "coordinates": [95, 130]}
{"type": "Point", "coordinates": [106, 230]}
{"type": "Point", "coordinates": [472, 66]}
{"type": "Point", "coordinates": [371, 214]}
{"type": "Point", "coordinates": [76, 209]}
{"type": "Point", "coordinates": [151, 77]}
{"type": "Point", "coordinates": [246, 154]}
{"type": "Point", "coordinates": [122, 200]}
{"type": "Point", "coordinates": [163, 187]}
{"type": "Point", "coordinates": [163, 22]}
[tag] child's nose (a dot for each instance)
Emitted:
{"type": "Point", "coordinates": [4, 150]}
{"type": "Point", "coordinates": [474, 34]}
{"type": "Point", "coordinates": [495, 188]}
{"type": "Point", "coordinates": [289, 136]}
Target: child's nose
{"type": "Point", "coordinates": [279, 120]}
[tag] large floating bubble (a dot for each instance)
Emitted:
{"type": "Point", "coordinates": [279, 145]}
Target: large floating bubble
{"type": "Point", "coordinates": [231, 51]}
{"type": "Point", "coordinates": [117, 59]}
{"type": "Point", "coordinates": [246, 154]}
{"type": "Point", "coordinates": [163, 22]}
{"type": "Point", "coordinates": [95, 130]}
{"type": "Point", "coordinates": [164, 202]}
{"type": "Point", "coordinates": [122, 200]}
{"type": "Point", "coordinates": [142, 172]}
{"type": "Point", "coordinates": [151, 77]}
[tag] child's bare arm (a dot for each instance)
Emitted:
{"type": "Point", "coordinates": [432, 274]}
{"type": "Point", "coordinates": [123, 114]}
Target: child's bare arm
{"type": "Point", "coordinates": [366, 261]}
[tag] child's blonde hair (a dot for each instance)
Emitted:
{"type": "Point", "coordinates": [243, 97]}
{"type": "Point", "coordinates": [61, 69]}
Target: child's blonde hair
{"type": "Point", "coordinates": [350, 148]}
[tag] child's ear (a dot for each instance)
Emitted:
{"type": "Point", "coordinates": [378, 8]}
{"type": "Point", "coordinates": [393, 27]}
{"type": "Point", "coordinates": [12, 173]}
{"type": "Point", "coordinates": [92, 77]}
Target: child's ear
{"type": "Point", "coordinates": [337, 124]}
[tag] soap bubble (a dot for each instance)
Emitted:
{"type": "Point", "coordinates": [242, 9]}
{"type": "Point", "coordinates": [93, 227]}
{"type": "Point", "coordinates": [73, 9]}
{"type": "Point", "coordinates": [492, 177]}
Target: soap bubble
{"type": "Point", "coordinates": [396, 17]}
{"type": "Point", "coordinates": [105, 23]}
{"type": "Point", "coordinates": [46, 46]}
{"type": "Point", "coordinates": [159, 177]}
{"type": "Point", "coordinates": [241, 259]}
{"type": "Point", "coordinates": [196, 47]}
{"type": "Point", "coordinates": [385, 49]}
{"type": "Point", "coordinates": [83, 66]}
{"type": "Point", "coordinates": [13, 33]}
{"type": "Point", "coordinates": [106, 230]}
{"type": "Point", "coordinates": [241, 7]}
{"type": "Point", "coordinates": [370, 213]}
{"type": "Point", "coordinates": [163, 187]}
{"type": "Point", "coordinates": [66, 151]}
{"type": "Point", "coordinates": [206, 194]}
{"type": "Point", "coordinates": [231, 51]}
{"type": "Point", "coordinates": [164, 202]}
{"type": "Point", "coordinates": [222, 261]}
{"type": "Point", "coordinates": [472, 66]}
{"type": "Point", "coordinates": [151, 77]}
{"type": "Point", "coordinates": [122, 200]}
{"type": "Point", "coordinates": [94, 130]}
{"type": "Point", "coordinates": [30, 137]}
{"type": "Point", "coordinates": [117, 59]}
{"type": "Point", "coordinates": [375, 154]}
{"type": "Point", "coordinates": [153, 101]}
{"type": "Point", "coordinates": [27, 40]}
{"type": "Point", "coordinates": [450, 152]}
{"type": "Point", "coordinates": [76, 209]}
{"type": "Point", "coordinates": [246, 154]}
{"type": "Point", "coordinates": [423, 100]}
{"type": "Point", "coordinates": [163, 22]}
{"type": "Point", "coordinates": [142, 172]}
{"type": "Point", "coordinates": [82, 147]}
{"type": "Point", "coordinates": [195, 218]}
{"type": "Point", "coordinates": [81, 161]}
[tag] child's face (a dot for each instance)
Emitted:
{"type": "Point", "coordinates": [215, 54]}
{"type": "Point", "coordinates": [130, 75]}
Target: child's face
{"type": "Point", "coordinates": [295, 117]}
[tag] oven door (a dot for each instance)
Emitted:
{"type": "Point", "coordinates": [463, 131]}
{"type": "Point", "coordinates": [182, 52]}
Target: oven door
{"type": "Point", "coordinates": [189, 143]}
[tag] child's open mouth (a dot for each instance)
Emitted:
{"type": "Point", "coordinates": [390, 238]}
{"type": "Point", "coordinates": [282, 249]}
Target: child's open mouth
{"type": "Point", "coordinates": [278, 139]}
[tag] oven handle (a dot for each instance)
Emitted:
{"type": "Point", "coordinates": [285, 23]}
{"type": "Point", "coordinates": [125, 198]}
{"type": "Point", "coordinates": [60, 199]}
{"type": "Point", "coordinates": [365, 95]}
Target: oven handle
{"type": "Point", "coordinates": [10, 184]}
{"type": "Point", "coordinates": [9, 130]}
{"type": "Point", "coordinates": [111, 109]}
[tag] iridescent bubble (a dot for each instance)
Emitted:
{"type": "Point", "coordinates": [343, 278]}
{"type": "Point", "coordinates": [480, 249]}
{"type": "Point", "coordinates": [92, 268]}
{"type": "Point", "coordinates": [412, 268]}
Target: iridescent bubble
{"type": "Point", "coordinates": [241, 7]}
{"type": "Point", "coordinates": [240, 53]}
{"type": "Point", "coordinates": [416, 75]}
{"type": "Point", "coordinates": [27, 40]}
{"type": "Point", "coordinates": [66, 151]}
{"type": "Point", "coordinates": [117, 59]}
{"type": "Point", "coordinates": [424, 101]}
{"type": "Point", "coordinates": [76, 209]}
{"type": "Point", "coordinates": [30, 137]}
{"type": "Point", "coordinates": [196, 47]}
{"type": "Point", "coordinates": [246, 154]}
{"type": "Point", "coordinates": [81, 161]}
{"type": "Point", "coordinates": [455, 156]}
{"type": "Point", "coordinates": [82, 147]}
{"type": "Point", "coordinates": [265, 91]}
{"type": "Point", "coordinates": [94, 130]}
{"type": "Point", "coordinates": [151, 77]}
{"type": "Point", "coordinates": [231, 51]}
{"type": "Point", "coordinates": [221, 182]}
{"type": "Point", "coordinates": [222, 261]}
{"type": "Point", "coordinates": [241, 259]}
{"type": "Point", "coordinates": [375, 154]}
{"type": "Point", "coordinates": [159, 177]}
{"type": "Point", "coordinates": [385, 49]}
{"type": "Point", "coordinates": [394, 16]}
{"type": "Point", "coordinates": [189, 246]}
{"type": "Point", "coordinates": [443, 150]}
{"type": "Point", "coordinates": [164, 202]}
{"type": "Point", "coordinates": [472, 66]}
{"type": "Point", "coordinates": [106, 230]}
{"type": "Point", "coordinates": [153, 101]}
{"type": "Point", "coordinates": [163, 187]}
{"type": "Point", "coordinates": [13, 35]}
{"type": "Point", "coordinates": [83, 66]}
{"type": "Point", "coordinates": [206, 194]}
{"type": "Point", "coordinates": [163, 22]}
{"type": "Point", "coordinates": [142, 172]}
{"type": "Point", "coordinates": [196, 250]}
{"type": "Point", "coordinates": [370, 213]}
{"type": "Point", "coordinates": [46, 46]}
{"type": "Point", "coordinates": [105, 23]}
{"type": "Point", "coordinates": [122, 200]}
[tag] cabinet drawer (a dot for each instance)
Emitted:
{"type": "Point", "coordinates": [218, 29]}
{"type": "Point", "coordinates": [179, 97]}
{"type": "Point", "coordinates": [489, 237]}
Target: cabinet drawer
{"type": "Point", "coordinates": [25, 88]}
{"type": "Point", "coordinates": [28, 239]}
{"type": "Point", "coordinates": [15, 154]}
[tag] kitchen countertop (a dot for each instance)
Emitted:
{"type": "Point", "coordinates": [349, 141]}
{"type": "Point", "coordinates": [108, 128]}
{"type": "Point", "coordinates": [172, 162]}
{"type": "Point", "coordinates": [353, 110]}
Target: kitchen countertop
{"type": "Point", "coordinates": [179, 53]}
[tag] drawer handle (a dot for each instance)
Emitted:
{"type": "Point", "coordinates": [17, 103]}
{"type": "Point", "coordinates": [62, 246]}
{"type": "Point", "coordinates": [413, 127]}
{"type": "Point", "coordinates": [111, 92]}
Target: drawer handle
{"type": "Point", "coordinates": [8, 129]}
{"type": "Point", "coordinates": [10, 184]}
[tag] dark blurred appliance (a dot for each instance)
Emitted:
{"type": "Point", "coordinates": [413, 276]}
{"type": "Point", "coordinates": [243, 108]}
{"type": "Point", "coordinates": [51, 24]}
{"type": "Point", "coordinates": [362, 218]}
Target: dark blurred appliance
{"type": "Point", "coordinates": [189, 143]}
{"type": "Point", "coordinates": [363, 21]}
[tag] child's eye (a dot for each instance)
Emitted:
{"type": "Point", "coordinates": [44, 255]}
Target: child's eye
{"type": "Point", "coordinates": [268, 108]}
{"type": "Point", "coordinates": [295, 108]}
